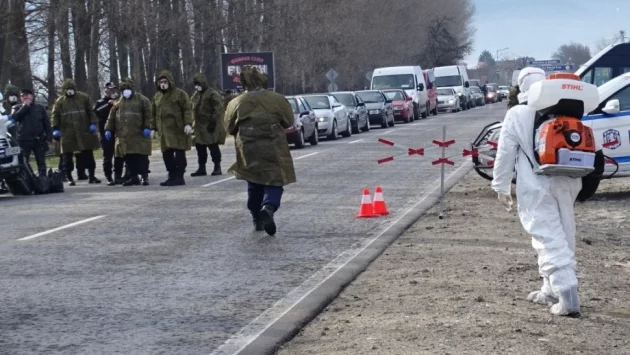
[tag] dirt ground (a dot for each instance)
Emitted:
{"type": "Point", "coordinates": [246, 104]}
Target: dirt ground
{"type": "Point", "coordinates": [458, 286]}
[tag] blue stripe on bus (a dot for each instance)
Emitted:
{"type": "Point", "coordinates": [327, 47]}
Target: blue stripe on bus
{"type": "Point", "coordinates": [622, 160]}
{"type": "Point", "coordinates": [605, 116]}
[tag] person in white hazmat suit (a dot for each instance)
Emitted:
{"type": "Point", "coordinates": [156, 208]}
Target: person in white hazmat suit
{"type": "Point", "coordinates": [545, 203]}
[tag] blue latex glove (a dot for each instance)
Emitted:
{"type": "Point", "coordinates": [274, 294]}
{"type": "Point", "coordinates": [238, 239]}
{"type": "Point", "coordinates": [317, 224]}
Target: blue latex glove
{"type": "Point", "coordinates": [10, 117]}
{"type": "Point", "coordinates": [108, 135]}
{"type": "Point", "coordinates": [92, 128]}
{"type": "Point", "coordinates": [11, 123]}
{"type": "Point", "coordinates": [146, 133]}
{"type": "Point", "coordinates": [56, 133]}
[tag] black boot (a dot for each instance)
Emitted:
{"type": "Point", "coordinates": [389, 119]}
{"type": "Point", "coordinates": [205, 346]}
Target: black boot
{"type": "Point", "coordinates": [217, 170]}
{"type": "Point", "coordinates": [70, 179]}
{"type": "Point", "coordinates": [145, 179]}
{"type": "Point", "coordinates": [93, 180]}
{"type": "Point", "coordinates": [81, 175]}
{"type": "Point", "coordinates": [266, 217]}
{"type": "Point", "coordinates": [200, 172]}
{"type": "Point", "coordinates": [168, 180]}
{"type": "Point", "coordinates": [109, 179]}
{"type": "Point", "coordinates": [117, 181]}
{"type": "Point", "coordinates": [134, 180]}
{"type": "Point", "coordinates": [178, 180]}
{"type": "Point", "coordinates": [258, 225]}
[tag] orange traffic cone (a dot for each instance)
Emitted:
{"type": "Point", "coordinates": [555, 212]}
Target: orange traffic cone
{"type": "Point", "coordinates": [366, 210]}
{"type": "Point", "coordinates": [379, 207]}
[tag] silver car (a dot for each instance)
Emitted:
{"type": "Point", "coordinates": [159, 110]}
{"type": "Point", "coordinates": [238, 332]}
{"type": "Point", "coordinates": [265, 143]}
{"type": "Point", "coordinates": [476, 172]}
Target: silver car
{"type": "Point", "coordinates": [504, 91]}
{"type": "Point", "coordinates": [448, 100]}
{"type": "Point", "coordinates": [331, 115]}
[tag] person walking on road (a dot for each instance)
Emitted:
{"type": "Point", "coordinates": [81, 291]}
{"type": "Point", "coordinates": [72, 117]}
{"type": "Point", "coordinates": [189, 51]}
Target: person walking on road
{"type": "Point", "coordinates": [74, 123]}
{"type": "Point", "coordinates": [207, 106]}
{"type": "Point", "coordinates": [545, 203]}
{"type": "Point", "coordinates": [102, 108]}
{"type": "Point", "coordinates": [257, 119]}
{"type": "Point", "coordinates": [33, 129]}
{"type": "Point", "coordinates": [172, 120]}
{"type": "Point", "coordinates": [130, 121]}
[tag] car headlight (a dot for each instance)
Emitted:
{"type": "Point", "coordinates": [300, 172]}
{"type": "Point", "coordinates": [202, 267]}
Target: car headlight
{"type": "Point", "coordinates": [451, 101]}
{"type": "Point", "coordinates": [321, 119]}
{"type": "Point", "coordinates": [459, 93]}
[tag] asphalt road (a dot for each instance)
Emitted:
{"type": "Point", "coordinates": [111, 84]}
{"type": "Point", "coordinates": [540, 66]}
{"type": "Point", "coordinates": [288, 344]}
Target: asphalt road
{"type": "Point", "coordinates": [155, 270]}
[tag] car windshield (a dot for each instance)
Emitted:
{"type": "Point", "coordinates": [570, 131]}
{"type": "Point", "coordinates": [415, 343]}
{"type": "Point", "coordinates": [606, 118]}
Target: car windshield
{"type": "Point", "coordinates": [474, 89]}
{"type": "Point", "coordinates": [445, 92]}
{"type": "Point", "coordinates": [394, 95]}
{"type": "Point", "coordinates": [451, 80]}
{"type": "Point", "coordinates": [318, 102]}
{"type": "Point", "coordinates": [400, 81]}
{"type": "Point", "coordinates": [371, 97]}
{"type": "Point", "coordinates": [345, 99]}
{"type": "Point", "coordinates": [503, 88]}
{"type": "Point", "coordinates": [293, 104]}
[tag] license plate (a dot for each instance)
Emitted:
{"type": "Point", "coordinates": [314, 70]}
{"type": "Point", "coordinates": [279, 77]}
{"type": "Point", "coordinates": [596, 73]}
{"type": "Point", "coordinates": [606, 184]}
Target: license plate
{"type": "Point", "coordinates": [9, 151]}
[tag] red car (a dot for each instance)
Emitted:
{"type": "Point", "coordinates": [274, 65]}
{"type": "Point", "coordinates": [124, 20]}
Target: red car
{"type": "Point", "coordinates": [402, 104]}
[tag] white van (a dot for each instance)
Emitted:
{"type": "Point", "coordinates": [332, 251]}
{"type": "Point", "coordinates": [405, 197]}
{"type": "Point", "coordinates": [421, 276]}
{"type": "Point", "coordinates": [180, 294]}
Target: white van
{"type": "Point", "coordinates": [410, 79]}
{"type": "Point", "coordinates": [455, 77]}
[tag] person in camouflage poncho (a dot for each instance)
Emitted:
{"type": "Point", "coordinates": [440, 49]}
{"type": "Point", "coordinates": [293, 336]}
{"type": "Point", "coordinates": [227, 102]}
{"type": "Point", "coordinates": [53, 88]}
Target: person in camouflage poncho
{"type": "Point", "coordinates": [130, 121]}
{"type": "Point", "coordinates": [75, 124]}
{"type": "Point", "coordinates": [257, 119]}
{"type": "Point", "coordinates": [209, 130]}
{"type": "Point", "coordinates": [172, 120]}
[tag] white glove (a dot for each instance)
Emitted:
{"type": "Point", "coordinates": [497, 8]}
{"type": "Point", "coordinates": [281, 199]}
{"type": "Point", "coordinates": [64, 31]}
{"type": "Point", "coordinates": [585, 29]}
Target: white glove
{"type": "Point", "coordinates": [152, 134]}
{"type": "Point", "coordinates": [188, 130]}
{"type": "Point", "coordinates": [506, 201]}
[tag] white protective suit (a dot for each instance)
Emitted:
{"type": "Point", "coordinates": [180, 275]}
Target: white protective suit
{"type": "Point", "coordinates": [545, 204]}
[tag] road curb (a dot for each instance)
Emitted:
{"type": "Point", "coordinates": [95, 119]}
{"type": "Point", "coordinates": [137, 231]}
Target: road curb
{"type": "Point", "coordinates": [288, 325]}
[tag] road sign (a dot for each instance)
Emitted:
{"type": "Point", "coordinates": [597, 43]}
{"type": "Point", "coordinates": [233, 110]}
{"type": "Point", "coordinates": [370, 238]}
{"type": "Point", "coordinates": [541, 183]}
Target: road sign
{"type": "Point", "coordinates": [332, 87]}
{"type": "Point", "coordinates": [543, 62]}
{"type": "Point", "coordinates": [368, 75]}
{"type": "Point", "coordinates": [558, 67]}
{"type": "Point", "coordinates": [332, 75]}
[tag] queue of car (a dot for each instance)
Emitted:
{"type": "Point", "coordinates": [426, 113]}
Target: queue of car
{"type": "Point", "coordinates": [396, 94]}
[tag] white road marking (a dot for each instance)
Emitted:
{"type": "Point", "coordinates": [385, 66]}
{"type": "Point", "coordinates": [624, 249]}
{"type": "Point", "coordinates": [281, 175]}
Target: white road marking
{"type": "Point", "coordinates": [357, 141]}
{"type": "Point", "coordinates": [61, 228]}
{"type": "Point", "coordinates": [219, 181]}
{"type": "Point", "coordinates": [264, 321]}
{"type": "Point", "coordinates": [305, 156]}
{"type": "Point", "coordinates": [233, 177]}
{"type": "Point", "coordinates": [389, 132]}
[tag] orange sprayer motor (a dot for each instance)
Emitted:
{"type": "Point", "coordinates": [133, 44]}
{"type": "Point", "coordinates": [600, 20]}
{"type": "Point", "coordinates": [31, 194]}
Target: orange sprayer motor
{"type": "Point", "coordinates": [566, 133]}
{"type": "Point", "coordinates": [564, 146]}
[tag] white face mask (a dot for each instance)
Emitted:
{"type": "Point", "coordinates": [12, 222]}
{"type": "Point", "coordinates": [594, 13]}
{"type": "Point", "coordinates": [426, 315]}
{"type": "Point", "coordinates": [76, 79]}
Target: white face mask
{"type": "Point", "coordinates": [127, 93]}
{"type": "Point", "coordinates": [114, 95]}
{"type": "Point", "coordinates": [12, 98]}
{"type": "Point", "coordinates": [198, 88]}
{"type": "Point", "coordinates": [164, 86]}
{"type": "Point", "coordinates": [70, 92]}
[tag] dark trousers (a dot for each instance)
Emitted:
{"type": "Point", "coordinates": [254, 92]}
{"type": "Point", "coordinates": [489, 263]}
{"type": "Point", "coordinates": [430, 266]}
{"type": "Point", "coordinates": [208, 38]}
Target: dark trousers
{"type": "Point", "coordinates": [175, 161]}
{"type": "Point", "coordinates": [137, 164]}
{"type": "Point", "coordinates": [81, 167]}
{"type": "Point", "coordinates": [202, 153]}
{"type": "Point", "coordinates": [85, 159]}
{"type": "Point", "coordinates": [261, 195]}
{"type": "Point", "coordinates": [108, 156]}
{"type": "Point", "coordinates": [37, 148]}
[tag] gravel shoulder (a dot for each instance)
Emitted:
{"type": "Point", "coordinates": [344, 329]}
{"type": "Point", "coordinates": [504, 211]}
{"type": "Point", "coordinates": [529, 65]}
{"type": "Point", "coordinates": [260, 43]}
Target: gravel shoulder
{"type": "Point", "coordinates": [458, 286]}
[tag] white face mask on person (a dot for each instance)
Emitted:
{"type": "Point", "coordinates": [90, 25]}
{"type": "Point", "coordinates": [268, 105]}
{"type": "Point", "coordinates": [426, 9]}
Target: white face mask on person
{"type": "Point", "coordinates": [127, 93]}
{"type": "Point", "coordinates": [114, 95]}
{"type": "Point", "coordinates": [198, 88]}
{"type": "Point", "coordinates": [164, 86]}
{"type": "Point", "coordinates": [13, 99]}
{"type": "Point", "coordinates": [70, 92]}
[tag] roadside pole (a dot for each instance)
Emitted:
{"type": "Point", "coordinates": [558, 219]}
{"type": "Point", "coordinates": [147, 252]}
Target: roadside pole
{"type": "Point", "coordinates": [441, 215]}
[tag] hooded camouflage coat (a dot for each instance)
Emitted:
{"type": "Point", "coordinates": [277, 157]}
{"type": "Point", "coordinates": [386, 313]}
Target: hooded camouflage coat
{"type": "Point", "coordinates": [513, 97]}
{"type": "Point", "coordinates": [10, 90]}
{"type": "Point", "coordinates": [257, 120]}
{"type": "Point", "coordinates": [172, 111]}
{"type": "Point", "coordinates": [127, 120]}
{"type": "Point", "coordinates": [72, 116]}
{"type": "Point", "coordinates": [208, 113]}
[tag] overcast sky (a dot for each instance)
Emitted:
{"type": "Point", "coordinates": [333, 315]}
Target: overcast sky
{"type": "Point", "coordinates": [536, 28]}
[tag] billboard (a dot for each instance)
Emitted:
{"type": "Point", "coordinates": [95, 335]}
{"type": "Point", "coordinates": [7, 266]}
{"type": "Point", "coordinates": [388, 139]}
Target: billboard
{"type": "Point", "coordinates": [231, 64]}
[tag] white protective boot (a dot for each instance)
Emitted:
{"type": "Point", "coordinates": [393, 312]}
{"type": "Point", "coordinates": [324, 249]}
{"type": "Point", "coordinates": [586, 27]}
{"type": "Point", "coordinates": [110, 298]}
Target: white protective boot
{"type": "Point", "coordinates": [564, 284]}
{"type": "Point", "coordinates": [545, 296]}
